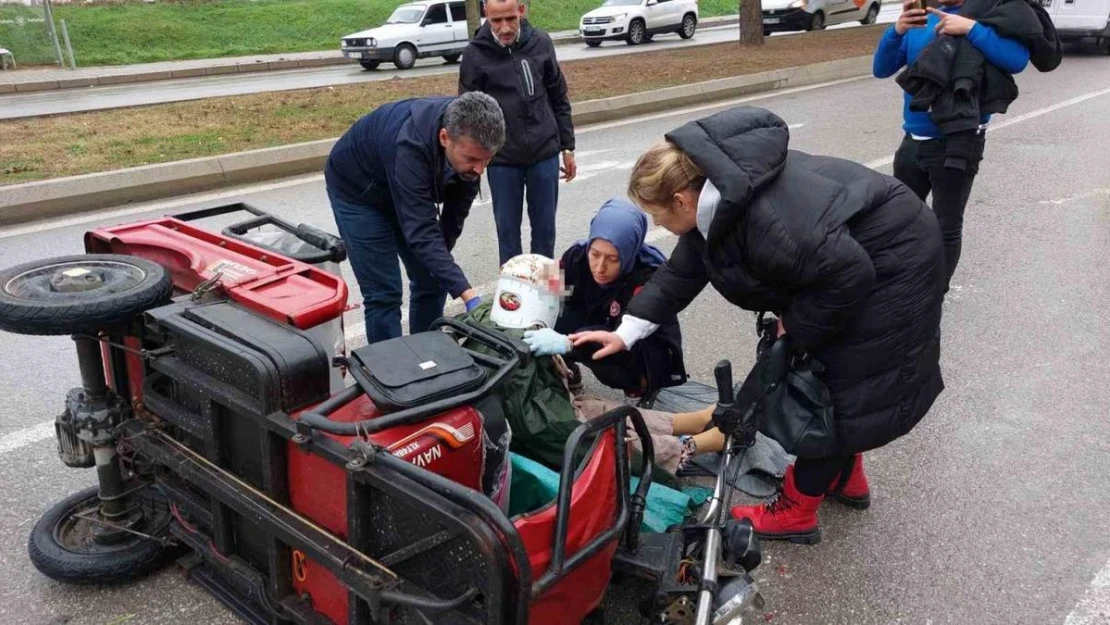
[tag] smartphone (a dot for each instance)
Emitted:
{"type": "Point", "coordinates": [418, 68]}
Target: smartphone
{"type": "Point", "coordinates": [920, 4]}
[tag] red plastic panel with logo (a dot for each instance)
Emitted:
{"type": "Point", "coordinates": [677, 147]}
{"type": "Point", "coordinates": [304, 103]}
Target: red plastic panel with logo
{"type": "Point", "coordinates": [449, 445]}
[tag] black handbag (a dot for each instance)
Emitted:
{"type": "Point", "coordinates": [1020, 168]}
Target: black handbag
{"type": "Point", "coordinates": [796, 406]}
{"type": "Point", "coordinates": [414, 370]}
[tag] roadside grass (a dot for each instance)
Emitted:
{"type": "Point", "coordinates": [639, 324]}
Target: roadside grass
{"type": "Point", "coordinates": [66, 145]}
{"type": "Point", "coordinates": [140, 32]}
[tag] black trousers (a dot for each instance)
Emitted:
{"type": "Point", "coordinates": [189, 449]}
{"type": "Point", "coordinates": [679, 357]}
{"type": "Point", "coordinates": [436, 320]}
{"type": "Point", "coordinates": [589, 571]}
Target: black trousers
{"type": "Point", "coordinates": [814, 476]}
{"type": "Point", "coordinates": [625, 371]}
{"type": "Point", "coordinates": [946, 167]}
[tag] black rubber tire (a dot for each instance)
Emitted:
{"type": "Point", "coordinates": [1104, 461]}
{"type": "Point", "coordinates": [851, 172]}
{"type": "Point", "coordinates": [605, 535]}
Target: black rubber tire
{"type": "Point", "coordinates": [593, 44]}
{"type": "Point", "coordinates": [817, 21]}
{"type": "Point", "coordinates": [637, 33]}
{"type": "Point", "coordinates": [125, 562]}
{"type": "Point", "coordinates": [452, 58]}
{"type": "Point", "coordinates": [370, 65]}
{"type": "Point", "coordinates": [693, 28]}
{"type": "Point", "coordinates": [766, 33]}
{"type": "Point", "coordinates": [872, 15]}
{"type": "Point", "coordinates": [81, 313]}
{"type": "Point", "coordinates": [399, 61]}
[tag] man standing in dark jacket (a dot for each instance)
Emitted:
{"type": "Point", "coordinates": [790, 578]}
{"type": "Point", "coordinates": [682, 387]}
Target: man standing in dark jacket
{"type": "Point", "coordinates": [928, 159]}
{"type": "Point", "coordinates": [401, 182]}
{"type": "Point", "coordinates": [515, 63]}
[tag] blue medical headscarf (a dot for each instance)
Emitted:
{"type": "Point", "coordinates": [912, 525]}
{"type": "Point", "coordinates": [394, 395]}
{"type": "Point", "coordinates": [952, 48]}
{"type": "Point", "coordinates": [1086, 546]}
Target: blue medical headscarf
{"type": "Point", "coordinates": [624, 225]}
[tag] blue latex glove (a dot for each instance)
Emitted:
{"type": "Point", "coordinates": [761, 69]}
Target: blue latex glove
{"type": "Point", "coordinates": [547, 342]}
{"type": "Point", "coordinates": [474, 303]}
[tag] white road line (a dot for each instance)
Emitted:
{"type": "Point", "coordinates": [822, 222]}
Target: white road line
{"type": "Point", "coordinates": [26, 436]}
{"type": "Point", "coordinates": [1010, 121]}
{"type": "Point", "coordinates": [1094, 607]}
{"type": "Point", "coordinates": [659, 234]}
{"type": "Point", "coordinates": [357, 331]}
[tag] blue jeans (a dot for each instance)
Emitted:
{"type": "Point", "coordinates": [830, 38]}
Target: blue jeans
{"type": "Point", "coordinates": [507, 186]}
{"type": "Point", "coordinates": [374, 243]}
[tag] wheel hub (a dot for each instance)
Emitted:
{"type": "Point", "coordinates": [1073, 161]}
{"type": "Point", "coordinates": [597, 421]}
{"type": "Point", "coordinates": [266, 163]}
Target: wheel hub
{"type": "Point", "coordinates": [76, 280]}
{"type": "Point", "coordinates": [106, 531]}
{"type": "Point", "coordinates": [55, 282]}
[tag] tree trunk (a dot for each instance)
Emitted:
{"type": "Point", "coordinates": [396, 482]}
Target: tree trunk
{"type": "Point", "coordinates": [473, 16]}
{"type": "Point", "coordinates": [751, 23]}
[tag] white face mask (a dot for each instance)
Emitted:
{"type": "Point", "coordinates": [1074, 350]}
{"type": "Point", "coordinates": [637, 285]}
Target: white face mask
{"type": "Point", "coordinates": [708, 201]}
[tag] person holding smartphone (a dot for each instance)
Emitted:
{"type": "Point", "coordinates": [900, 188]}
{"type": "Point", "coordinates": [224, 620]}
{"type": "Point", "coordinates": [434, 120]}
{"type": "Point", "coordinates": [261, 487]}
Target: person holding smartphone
{"type": "Point", "coordinates": [928, 159]}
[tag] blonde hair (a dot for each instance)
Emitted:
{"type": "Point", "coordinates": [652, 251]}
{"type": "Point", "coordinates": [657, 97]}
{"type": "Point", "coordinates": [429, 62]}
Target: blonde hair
{"type": "Point", "coordinates": [661, 172]}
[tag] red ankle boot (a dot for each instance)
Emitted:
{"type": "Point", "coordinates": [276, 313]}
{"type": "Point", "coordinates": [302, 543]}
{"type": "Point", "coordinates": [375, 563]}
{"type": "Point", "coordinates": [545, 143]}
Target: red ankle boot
{"type": "Point", "coordinates": [850, 488]}
{"type": "Point", "coordinates": [791, 516]}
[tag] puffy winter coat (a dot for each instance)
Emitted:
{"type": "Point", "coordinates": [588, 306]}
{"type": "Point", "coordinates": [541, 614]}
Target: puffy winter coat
{"type": "Point", "coordinates": [864, 298]}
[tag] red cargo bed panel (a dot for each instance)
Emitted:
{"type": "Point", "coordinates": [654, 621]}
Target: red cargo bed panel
{"type": "Point", "coordinates": [286, 290]}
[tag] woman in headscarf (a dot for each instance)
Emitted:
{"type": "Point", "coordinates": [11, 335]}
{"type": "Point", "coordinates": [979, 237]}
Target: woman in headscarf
{"type": "Point", "coordinates": [603, 273]}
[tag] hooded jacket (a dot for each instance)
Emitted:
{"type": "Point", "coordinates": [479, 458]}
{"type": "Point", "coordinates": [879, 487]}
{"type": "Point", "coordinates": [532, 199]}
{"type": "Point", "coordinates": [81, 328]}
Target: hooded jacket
{"type": "Point", "coordinates": [953, 79]}
{"type": "Point", "coordinates": [591, 305]}
{"type": "Point", "coordinates": [526, 81]}
{"type": "Point", "coordinates": [391, 160]}
{"type": "Point", "coordinates": [863, 297]}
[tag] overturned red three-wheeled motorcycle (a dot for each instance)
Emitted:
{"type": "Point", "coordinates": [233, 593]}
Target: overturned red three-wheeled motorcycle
{"type": "Point", "coordinates": [213, 405]}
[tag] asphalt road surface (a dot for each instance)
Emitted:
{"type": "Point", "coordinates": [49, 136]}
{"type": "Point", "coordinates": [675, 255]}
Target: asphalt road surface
{"type": "Point", "coordinates": [97, 98]}
{"type": "Point", "coordinates": [993, 511]}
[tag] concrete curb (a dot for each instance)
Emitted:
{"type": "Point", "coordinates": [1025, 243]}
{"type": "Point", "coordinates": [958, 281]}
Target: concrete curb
{"type": "Point", "coordinates": [32, 201]}
{"type": "Point", "coordinates": [151, 76]}
{"type": "Point", "coordinates": [217, 69]}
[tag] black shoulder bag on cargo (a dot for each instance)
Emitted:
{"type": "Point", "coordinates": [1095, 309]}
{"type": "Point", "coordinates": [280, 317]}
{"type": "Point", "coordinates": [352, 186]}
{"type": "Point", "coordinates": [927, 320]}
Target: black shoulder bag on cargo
{"type": "Point", "coordinates": [414, 370]}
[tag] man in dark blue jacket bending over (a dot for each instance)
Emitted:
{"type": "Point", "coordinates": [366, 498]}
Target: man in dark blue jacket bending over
{"type": "Point", "coordinates": [930, 159]}
{"type": "Point", "coordinates": [401, 182]}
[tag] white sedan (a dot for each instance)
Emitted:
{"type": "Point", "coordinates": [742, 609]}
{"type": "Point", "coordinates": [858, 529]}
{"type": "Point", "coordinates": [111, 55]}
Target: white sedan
{"type": "Point", "coordinates": [415, 30]}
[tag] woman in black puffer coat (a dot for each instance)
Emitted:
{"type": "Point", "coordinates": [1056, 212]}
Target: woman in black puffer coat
{"type": "Point", "coordinates": [758, 222]}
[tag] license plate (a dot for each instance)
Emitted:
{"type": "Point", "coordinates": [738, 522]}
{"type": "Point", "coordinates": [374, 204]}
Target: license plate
{"type": "Point", "coordinates": [772, 20]}
{"type": "Point", "coordinates": [595, 31]}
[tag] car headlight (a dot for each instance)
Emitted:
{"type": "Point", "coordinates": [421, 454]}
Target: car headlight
{"type": "Point", "coordinates": [372, 42]}
{"type": "Point", "coordinates": [798, 4]}
{"type": "Point", "coordinates": [620, 18]}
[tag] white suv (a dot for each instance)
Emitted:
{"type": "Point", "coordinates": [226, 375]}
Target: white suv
{"type": "Point", "coordinates": [637, 21]}
{"type": "Point", "coordinates": [415, 30]}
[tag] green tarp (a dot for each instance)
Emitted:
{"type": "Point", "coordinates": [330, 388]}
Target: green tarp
{"type": "Point", "coordinates": [534, 486]}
